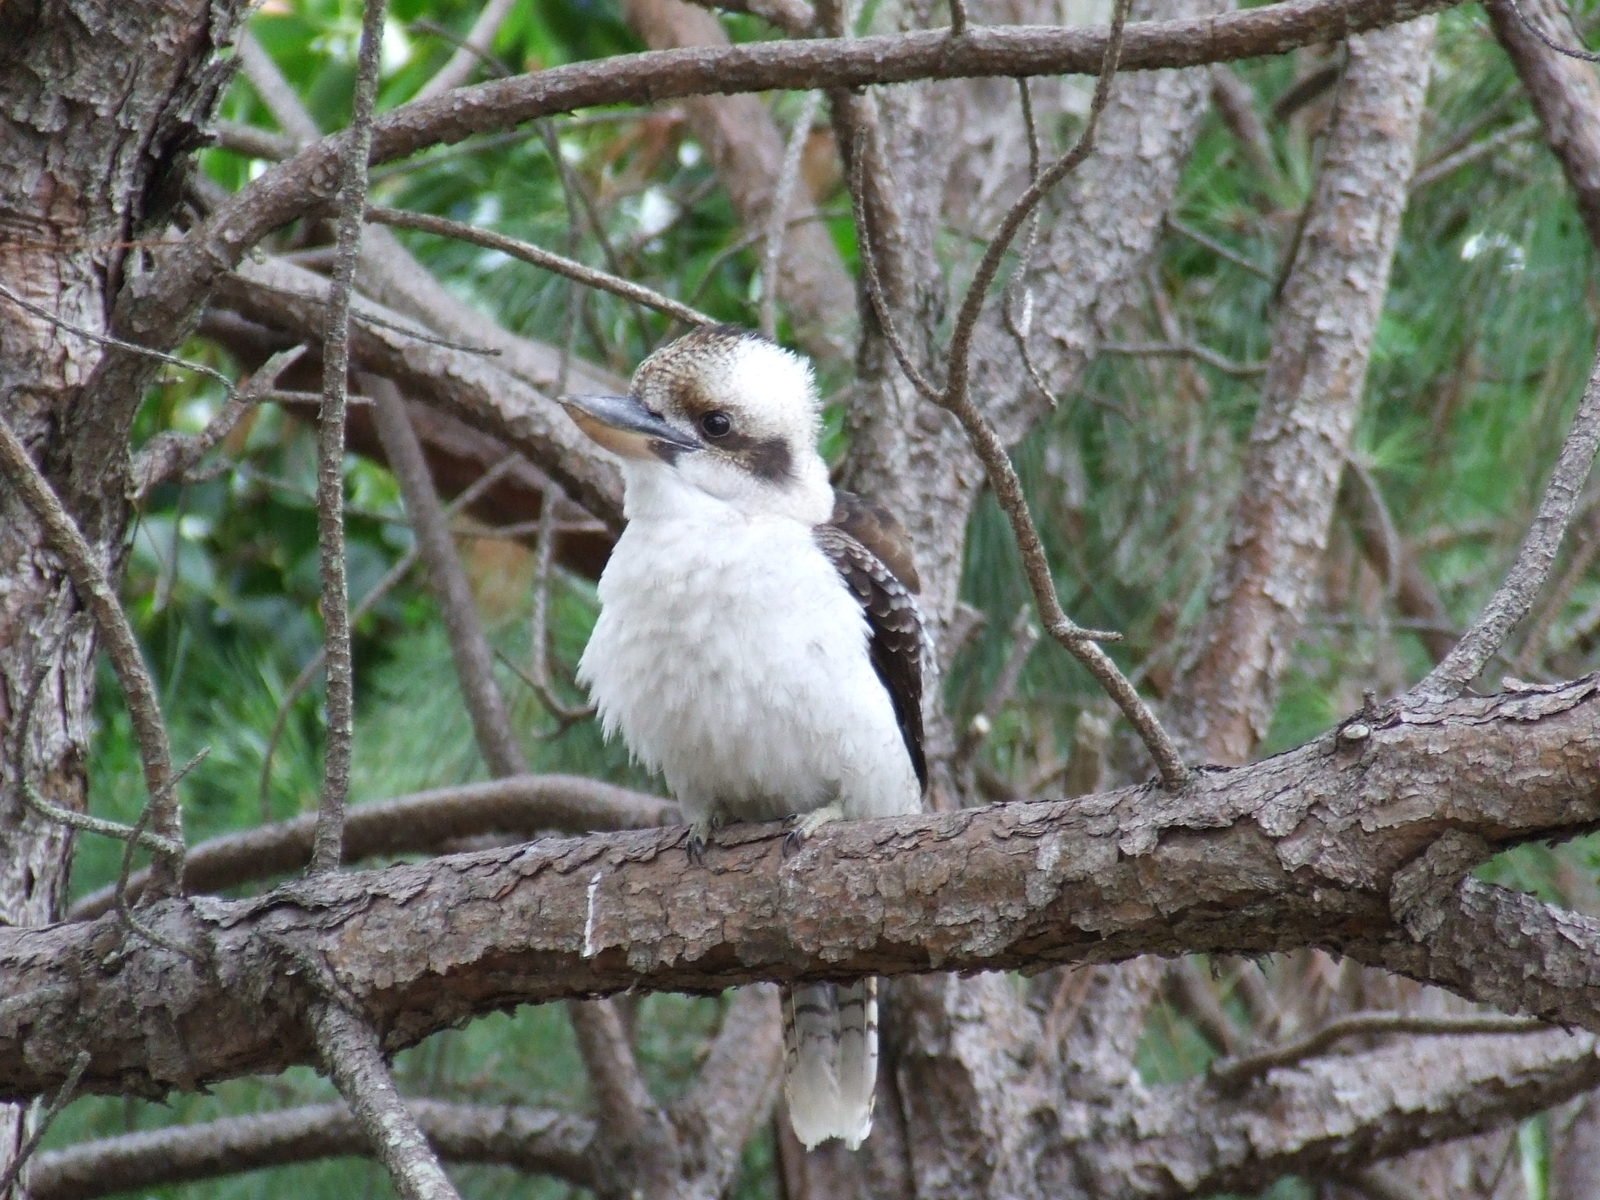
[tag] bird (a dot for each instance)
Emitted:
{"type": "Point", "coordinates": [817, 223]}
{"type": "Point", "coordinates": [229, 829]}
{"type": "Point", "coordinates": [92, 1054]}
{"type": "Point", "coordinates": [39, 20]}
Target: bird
{"type": "Point", "coordinates": [759, 644]}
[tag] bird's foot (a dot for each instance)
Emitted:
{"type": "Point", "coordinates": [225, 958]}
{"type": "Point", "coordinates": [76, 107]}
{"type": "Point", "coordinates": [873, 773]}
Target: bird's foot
{"type": "Point", "coordinates": [701, 834]}
{"type": "Point", "coordinates": [803, 825]}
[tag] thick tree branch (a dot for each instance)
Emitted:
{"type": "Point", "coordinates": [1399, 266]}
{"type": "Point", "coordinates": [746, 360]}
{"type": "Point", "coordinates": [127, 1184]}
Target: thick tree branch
{"type": "Point", "coordinates": [1335, 1114]}
{"type": "Point", "coordinates": [473, 388]}
{"type": "Point", "coordinates": [1565, 93]}
{"type": "Point", "coordinates": [1299, 850]}
{"type": "Point", "coordinates": [530, 1139]}
{"type": "Point", "coordinates": [1316, 377]}
{"type": "Point", "coordinates": [184, 273]}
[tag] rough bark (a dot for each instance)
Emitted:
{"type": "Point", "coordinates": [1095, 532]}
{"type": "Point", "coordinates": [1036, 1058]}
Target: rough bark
{"type": "Point", "coordinates": [1565, 93]}
{"type": "Point", "coordinates": [98, 106]}
{"type": "Point", "coordinates": [1321, 342]}
{"type": "Point", "coordinates": [1302, 849]}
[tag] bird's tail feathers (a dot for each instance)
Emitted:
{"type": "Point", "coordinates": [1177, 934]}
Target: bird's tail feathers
{"type": "Point", "coordinates": [830, 1040]}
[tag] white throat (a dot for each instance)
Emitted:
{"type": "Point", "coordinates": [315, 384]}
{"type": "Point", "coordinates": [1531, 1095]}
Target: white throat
{"type": "Point", "coordinates": [703, 488]}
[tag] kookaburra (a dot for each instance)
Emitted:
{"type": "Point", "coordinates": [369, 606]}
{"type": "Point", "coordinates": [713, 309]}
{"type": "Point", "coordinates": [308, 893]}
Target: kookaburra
{"type": "Point", "coordinates": [759, 643]}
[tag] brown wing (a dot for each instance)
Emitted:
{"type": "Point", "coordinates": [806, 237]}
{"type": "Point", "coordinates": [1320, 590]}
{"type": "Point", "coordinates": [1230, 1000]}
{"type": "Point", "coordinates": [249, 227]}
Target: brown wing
{"type": "Point", "coordinates": [872, 554]}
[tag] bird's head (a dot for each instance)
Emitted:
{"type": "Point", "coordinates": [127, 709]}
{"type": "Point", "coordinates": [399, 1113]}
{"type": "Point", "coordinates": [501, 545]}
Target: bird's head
{"type": "Point", "coordinates": [722, 414]}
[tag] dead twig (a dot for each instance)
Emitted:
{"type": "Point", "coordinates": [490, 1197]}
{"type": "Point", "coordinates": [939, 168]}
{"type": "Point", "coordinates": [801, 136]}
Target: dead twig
{"type": "Point", "coordinates": [1537, 554]}
{"type": "Point", "coordinates": [353, 1058]}
{"type": "Point", "coordinates": [340, 704]}
{"type": "Point", "coordinates": [170, 455]}
{"type": "Point", "coordinates": [777, 218]}
{"type": "Point", "coordinates": [545, 259]}
{"type": "Point", "coordinates": [94, 590]}
{"type": "Point", "coordinates": [41, 1124]}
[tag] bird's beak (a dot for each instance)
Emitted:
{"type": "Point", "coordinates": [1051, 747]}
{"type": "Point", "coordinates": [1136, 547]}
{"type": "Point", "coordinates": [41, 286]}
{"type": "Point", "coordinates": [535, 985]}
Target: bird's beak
{"type": "Point", "coordinates": [627, 428]}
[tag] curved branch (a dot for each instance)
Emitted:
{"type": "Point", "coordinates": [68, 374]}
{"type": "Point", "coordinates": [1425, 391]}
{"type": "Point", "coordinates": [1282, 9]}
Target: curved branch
{"type": "Point", "coordinates": [519, 806]}
{"type": "Point", "coordinates": [304, 183]}
{"type": "Point", "coordinates": [532, 1139]}
{"type": "Point", "coordinates": [1299, 850]}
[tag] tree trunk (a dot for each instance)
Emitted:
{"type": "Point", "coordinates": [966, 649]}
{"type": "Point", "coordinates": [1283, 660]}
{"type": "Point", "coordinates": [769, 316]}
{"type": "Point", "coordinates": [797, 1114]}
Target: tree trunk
{"type": "Point", "coordinates": [98, 106]}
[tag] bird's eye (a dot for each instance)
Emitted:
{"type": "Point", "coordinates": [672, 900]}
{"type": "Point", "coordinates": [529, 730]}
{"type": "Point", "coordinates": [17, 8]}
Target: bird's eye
{"type": "Point", "coordinates": [716, 424]}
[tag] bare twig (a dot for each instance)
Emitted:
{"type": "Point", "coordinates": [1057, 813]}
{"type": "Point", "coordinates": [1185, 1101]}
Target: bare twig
{"type": "Point", "coordinates": [469, 646]}
{"type": "Point", "coordinates": [103, 339]}
{"type": "Point", "coordinates": [1224, 252]}
{"type": "Point", "coordinates": [472, 51]}
{"type": "Point", "coordinates": [560, 265]}
{"type": "Point", "coordinates": [1194, 350]}
{"type": "Point", "coordinates": [168, 456]}
{"type": "Point", "coordinates": [41, 1125]}
{"type": "Point", "coordinates": [859, 179]}
{"type": "Point", "coordinates": [537, 676]}
{"type": "Point", "coordinates": [1516, 593]}
{"type": "Point", "coordinates": [1024, 637]}
{"type": "Point", "coordinates": [1229, 1072]}
{"type": "Point", "coordinates": [955, 388]}
{"type": "Point", "coordinates": [1569, 51]}
{"type": "Point", "coordinates": [1449, 164]}
{"type": "Point", "coordinates": [991, 450]}
{"type": "Point", "coordinates": [325, 852]}
{"type": "Point", "coordinates": [95, 593]}
{"type": "Point", "coordinates": [353, 1058]}
{"type": "Point", "coordinates": [778, 216]}
{"type": "Point", "coordinates": [1016, 308]}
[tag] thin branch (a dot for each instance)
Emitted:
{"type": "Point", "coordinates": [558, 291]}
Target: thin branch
{"type": "Point", "coordinates": [1537, 554]}
{"type": "Point", "coordinates": [955, 389]}
{"type": "Point", "coordinates": [991, 450]}
{"type": "Point", "coordinates": [469, 647]}
{"type": "Point", "coordinates": [102, 339]}
{"type": "Point", "coordinates": [41, 1125]}
{"type": "Point", "coordinates": [522, 806]}
{"type": "Point", "coordinates": [777, 218]}
{"type": "Point", "coordinates": [471, 52]}
{"type": "Point", "coordinates": [858, 177]}
{"type": "Point", "coordinates": [530, 1139]}
{"type": "Point", "coordinates": [1224, 252]}
{"type": "Point", "coordinates": [95, 593]}
{"type": "Point", "coordinates": [1024, 637]}
{"type": "Point", "coordinates": [390, 579]}
{"type": "Point", "coordinates": [627, 1111]}
{"type": "Point", "coordinates": [1194, 350]}
{"type": "Point", "coordinates": [1569, 51]}
{"type": "Point", "coordinates": [325, 852]}
{"type": "Point", "coordinates": [169, 456]}
{"type": "Point", "coordinates": [545, 259]}
{"type": "Point", "coordinates": [537, 677]}
{"type": "Point", "coordinates": [1230, 1072]}
{"type": "Point", "coordinates": [353, 1059]}
{"type": "Point", "coordinates": [1440, 168]}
